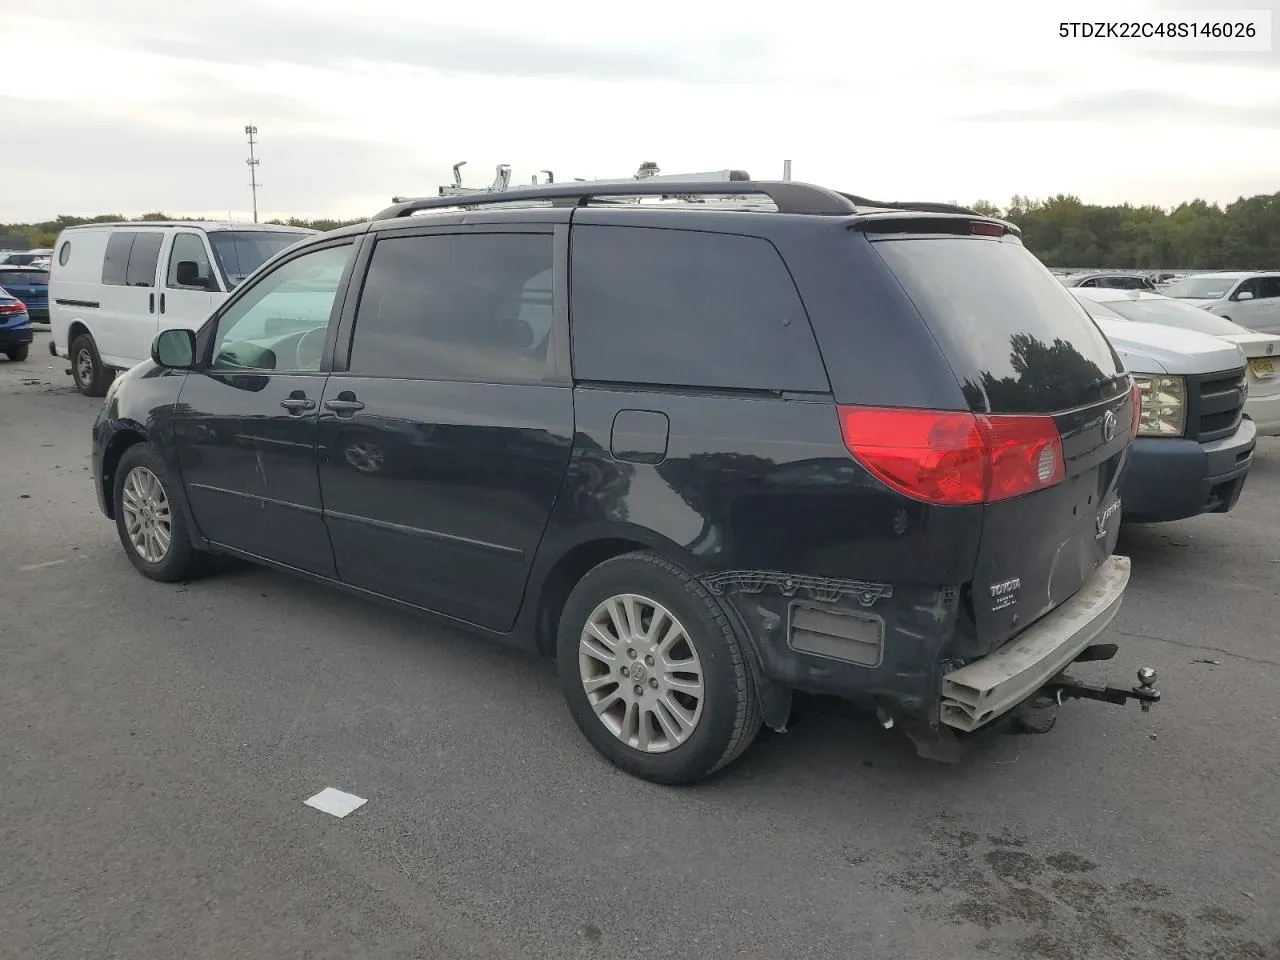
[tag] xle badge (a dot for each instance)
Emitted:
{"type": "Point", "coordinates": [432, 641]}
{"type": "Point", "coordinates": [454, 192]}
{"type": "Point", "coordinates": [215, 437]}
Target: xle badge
{"type": "Point", "coordinates": [1005, 594]}
{"type": "Point", "coordinates": [1103, 517]}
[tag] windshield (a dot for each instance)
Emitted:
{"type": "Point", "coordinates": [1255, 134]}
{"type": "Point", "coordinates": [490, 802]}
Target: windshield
{"type": "Point", "coordinates": [1099, 311]}
{"type": "Point", "coordinates": [1169, 313]}
{"type": "Point", "coordinates": [240, 252]}
{"type": "Point", "coordinates": [1200, 288]}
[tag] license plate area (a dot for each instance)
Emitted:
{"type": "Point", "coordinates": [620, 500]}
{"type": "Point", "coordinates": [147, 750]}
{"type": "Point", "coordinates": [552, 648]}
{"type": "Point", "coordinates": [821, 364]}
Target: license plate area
{"type": "Point", "coordinates": [1263, 367]}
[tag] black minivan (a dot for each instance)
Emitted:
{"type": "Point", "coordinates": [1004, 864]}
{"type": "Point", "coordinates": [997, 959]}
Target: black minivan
{"type": "Point", "coordinates": [705, 443]}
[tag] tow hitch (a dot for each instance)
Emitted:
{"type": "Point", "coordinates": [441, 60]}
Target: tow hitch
{"type": "Point", "coordinates": [1145, 692]}
{"type": "Point", "coordinates": [1038, 715]}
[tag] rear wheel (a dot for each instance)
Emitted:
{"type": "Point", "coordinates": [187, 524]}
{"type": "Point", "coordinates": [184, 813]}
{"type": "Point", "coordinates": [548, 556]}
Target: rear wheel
{"type": "Point", "coordinates": [653, 671]}
{"type": "Point", "coordinates": [18, 354]}
{"type": "Point", "coordinates": [152, 527]}
{"type": "Point", "coordinates": [90, 376]}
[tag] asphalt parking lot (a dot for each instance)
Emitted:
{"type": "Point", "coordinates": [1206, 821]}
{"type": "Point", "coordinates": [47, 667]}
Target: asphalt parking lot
{"type": "Point", "coordinates": [157, 743]}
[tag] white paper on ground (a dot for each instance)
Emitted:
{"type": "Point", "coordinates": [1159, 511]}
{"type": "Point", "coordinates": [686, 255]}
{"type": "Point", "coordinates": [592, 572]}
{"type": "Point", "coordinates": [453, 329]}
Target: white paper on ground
{"type": "Point", "coordinates": [335, 802]}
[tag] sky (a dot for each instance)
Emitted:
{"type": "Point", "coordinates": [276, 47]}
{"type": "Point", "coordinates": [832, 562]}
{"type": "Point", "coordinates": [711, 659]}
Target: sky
{"type": "Point", "coordinates": [129, 107]}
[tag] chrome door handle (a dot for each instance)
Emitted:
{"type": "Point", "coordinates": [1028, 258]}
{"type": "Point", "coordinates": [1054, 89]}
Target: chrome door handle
{"type": "Point", "coordinates": [297, 404]}
{"type": "Point", "coordinates": [343, 406]}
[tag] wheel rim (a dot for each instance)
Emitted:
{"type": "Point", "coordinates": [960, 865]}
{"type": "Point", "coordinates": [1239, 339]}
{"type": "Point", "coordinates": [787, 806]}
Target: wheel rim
{"type": "Point", "coordinates": [84, 366]}
{"type": "Point", "coordinates": [146, 515]}
{"type": "Point", "coordinates": [641, 673]}
{"type": "Point", "coordinates": [365, 456]}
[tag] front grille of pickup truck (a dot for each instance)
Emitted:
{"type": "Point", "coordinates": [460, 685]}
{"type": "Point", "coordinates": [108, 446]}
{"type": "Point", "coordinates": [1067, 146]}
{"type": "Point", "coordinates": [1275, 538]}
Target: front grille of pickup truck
{"type": "Point", "coordinates": [1215, 404]}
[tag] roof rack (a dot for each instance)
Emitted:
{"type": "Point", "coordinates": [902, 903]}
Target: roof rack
{"type": "Point", "coordinates": [788, 196]}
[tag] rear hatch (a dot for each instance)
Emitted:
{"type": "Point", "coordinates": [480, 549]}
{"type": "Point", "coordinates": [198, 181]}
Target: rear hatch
{"type": "Point", "coordinates": [1027, 357]}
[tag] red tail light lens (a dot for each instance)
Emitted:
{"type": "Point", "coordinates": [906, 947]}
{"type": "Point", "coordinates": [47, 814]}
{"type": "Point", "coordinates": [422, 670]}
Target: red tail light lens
{"type": "Point", "coordinates": [1135, 410]}
{"type": "Point", "coordinates": [11, 309]}
{"type": "Point", "coordinates": [952, 457]}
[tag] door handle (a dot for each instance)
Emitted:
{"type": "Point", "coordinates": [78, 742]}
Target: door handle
{"type": "Point", "coordinates": [162, 303]}
{"type": "Point", "coordinates": [343, 406]}
{"type": "Point", "coordinates": [297, 404]}
{"type": "Point", "coordinates": [151, 303]}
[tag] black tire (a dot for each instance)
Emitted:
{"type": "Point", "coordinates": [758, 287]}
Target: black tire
{"type": "Point", "coordinates": [181, 561]}
{"type": "Point", "coordinates": [730, 718]}
{"type": "Point", "coordinates": [84, 353]}
{"type": "Point", "coordinates": [19, 353]}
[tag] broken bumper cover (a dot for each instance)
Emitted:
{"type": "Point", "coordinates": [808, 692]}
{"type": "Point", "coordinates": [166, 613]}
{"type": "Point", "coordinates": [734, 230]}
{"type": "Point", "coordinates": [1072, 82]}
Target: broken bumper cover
{"type": "Point", "coordinates": [986, 689]}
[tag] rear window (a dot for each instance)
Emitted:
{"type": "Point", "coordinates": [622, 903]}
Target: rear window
{"type": "Point", "coordinates": [240, 252]}
{"type": "Point", "coordinates": [24, 276]}
{"type": "Point", "coordinates": [1014, 336]}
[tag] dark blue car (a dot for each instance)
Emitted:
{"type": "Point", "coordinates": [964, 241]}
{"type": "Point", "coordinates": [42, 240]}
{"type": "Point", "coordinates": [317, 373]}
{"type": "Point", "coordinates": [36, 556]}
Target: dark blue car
{"type": "Point", "coordinates": [31, 286]}
{"type": "Point", "coordinates": [15, 327]}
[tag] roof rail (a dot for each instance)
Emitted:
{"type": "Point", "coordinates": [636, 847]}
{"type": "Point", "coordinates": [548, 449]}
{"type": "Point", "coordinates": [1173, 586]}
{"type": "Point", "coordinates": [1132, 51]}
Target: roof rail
{"type": "Point", "coordinates": [924, 206]}
{"type": "Point", "coordinates": [788, 196]}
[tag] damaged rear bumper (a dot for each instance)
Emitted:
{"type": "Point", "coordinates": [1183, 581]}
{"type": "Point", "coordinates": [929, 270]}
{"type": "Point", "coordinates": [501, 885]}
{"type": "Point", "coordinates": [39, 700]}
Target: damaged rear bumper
{"type": "Point", "coordinates": [988, 688]}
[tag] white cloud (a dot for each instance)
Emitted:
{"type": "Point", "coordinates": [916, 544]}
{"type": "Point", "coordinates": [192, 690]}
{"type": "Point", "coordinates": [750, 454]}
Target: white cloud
{"type": "Point", "coordinates": [146, 104]}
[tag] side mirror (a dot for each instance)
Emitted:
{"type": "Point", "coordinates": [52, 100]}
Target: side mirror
{"type": "Point", "coordinates": [1244, 295]}
{"type": "Point", "coordinates": [189, 275]}
{"type": "Point", "coordinates": [174, 349]}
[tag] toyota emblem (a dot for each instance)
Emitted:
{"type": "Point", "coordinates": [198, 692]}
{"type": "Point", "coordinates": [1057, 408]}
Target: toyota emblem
{"type": "Point", "coordinates": [1108, 427]}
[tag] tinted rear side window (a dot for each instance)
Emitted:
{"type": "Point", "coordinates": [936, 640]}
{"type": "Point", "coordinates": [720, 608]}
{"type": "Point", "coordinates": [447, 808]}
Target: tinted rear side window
{"type": "Point", "coordinates": [1015, 338]}
{"type": "Point", "coordinates": [456, 307]}
{"type": "Point", "coordinates": [115, 264]}
{"type": "Point", "coordinates": [682, 308]}
{"type": "Point", "coordinates": [143, 257]}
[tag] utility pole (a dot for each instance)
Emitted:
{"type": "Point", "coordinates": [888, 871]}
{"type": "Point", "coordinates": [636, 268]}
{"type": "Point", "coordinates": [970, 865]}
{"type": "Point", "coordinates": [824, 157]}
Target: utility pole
{"type": "Point", "coordinates": [252, 132]}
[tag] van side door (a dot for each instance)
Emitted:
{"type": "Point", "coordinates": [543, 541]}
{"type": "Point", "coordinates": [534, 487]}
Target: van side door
{"type": "Point", "coordinates": [1266, 317]}
{"type": "Point", "coordinates": [189, 287]}
{"type": "Point", "coordinates": [128, 318]}
{"type": "Point", "coordinates": [446, 432]}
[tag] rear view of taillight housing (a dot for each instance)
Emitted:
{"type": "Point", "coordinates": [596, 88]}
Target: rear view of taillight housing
{"type": "Point", "coordinates": [952, 457]}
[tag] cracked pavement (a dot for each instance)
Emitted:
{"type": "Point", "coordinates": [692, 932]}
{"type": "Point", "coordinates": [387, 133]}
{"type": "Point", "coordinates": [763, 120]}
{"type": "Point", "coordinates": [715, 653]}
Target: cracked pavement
{"type": "Point", "coordinates": [158, 742]}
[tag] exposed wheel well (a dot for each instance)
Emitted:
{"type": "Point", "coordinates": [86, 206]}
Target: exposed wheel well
{"type": "Point", "coordinates": [121, 442]}
{"type": "Point", "coordinates": [74, 331]}
{"type": "Point", "coordinates": [564, 576]}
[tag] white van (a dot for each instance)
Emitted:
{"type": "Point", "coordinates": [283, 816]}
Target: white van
{"type": "Point", "coordinates": [1249, 299]}
{"type": "Point", "coordinates": [114, 286]}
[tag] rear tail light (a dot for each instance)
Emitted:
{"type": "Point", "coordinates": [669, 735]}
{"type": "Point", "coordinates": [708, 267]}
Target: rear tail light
{"type": "Point", "coordinates": [12, 309]}
{"type": "Point", "coordinates": [986, 229]}
{"type": "Point", "coordinates": [953, 457]}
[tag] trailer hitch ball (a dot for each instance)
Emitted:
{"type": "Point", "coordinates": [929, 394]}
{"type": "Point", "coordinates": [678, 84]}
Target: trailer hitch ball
{"type": "Point", "coordinates": [1146, 685]}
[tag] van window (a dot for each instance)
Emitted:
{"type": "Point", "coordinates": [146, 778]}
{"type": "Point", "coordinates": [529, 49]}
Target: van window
{"type": "Point", "coordinates": [188, 247]}
{"type": "Point", "coordinates": [456, 307]}
{"type": "Point", "coordinates": [240, 252]}
{"type": "Point", "coordinates": [144, 256]}
{"type": "Point", "coordinates": [115, 264]}
{"type": "Point", "coordinates": [1268, 288]}
{"type": "Point", "coordinates": [1016, 339]}
{"type": "Point", "coordinates": [686, 308]}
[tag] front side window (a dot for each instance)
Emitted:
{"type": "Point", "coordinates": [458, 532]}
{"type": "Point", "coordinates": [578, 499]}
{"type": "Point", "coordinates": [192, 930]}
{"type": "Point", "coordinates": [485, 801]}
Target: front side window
{"type": "Point", "coordinates": [1268, 288]}
{"type": "Point", "coordinates": [188, 248]}
{"type": "Point", "coordinates": [1250, 287]}
{"type": "Point", "coordinates": [474, 307]}
{"type": "Point", "coordinates": [280, 323]}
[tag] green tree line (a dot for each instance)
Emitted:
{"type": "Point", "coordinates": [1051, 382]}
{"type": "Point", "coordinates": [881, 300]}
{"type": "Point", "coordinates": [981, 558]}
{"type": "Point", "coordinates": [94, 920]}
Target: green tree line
{"type": "Point", "coordinates": [1063, 231]}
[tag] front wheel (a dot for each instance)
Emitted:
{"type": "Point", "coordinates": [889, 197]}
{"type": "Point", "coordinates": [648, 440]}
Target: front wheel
{"type": "Point", "coordinates": [152, 527]}
{"type": "Point", "coordinates": [653, 671]}
{"type": "Point", "coordinates": [18, 354]}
